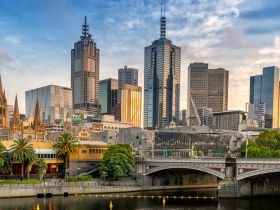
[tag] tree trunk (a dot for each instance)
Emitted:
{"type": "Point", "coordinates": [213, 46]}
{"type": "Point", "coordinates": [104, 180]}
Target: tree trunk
{"type": "Point", "coordinates": [22, 171]}
{"type": "Point", "coordinates": [65, 167]}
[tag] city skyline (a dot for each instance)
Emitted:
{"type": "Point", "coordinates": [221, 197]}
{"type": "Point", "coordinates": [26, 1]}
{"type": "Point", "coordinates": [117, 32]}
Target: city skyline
{"type": "Point", "coordinates": [223, 34]}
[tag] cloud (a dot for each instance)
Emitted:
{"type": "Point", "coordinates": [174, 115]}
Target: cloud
{"type": "Point", "coordinates": [12, 39]}
{"type": "Point", "coordinates": [7, 61]}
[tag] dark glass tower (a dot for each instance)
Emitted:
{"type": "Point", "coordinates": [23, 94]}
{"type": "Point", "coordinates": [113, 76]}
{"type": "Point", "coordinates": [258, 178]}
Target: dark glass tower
{"type": "Point", "coordinates": [161, 81]}
{"type": "Point", "coordinates": [85, 73]}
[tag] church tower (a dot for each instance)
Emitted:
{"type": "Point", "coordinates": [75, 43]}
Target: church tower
{"type": "Point", "coordinates": [16, 123]}
{"type": "Point", "coordinates": [4, 116]}
{"type": "Point", "coordinates": [37, 125]}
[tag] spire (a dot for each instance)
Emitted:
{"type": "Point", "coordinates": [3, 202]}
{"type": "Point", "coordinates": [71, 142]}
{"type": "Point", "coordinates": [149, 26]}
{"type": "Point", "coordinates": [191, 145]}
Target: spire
{"type": "Point", "coordinates": [1, 88]}
{"type": "Point", "coordinates": [37, 118]}
{"type": "Point", "coordinates": [162, 20]}
{"type": "Point", "coordinates": [16, 117]}
{"type": "Point", "coordinates": [85, 30]}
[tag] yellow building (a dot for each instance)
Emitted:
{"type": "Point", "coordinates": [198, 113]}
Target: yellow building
{"type": "Point", "coordinates": [131, 105]}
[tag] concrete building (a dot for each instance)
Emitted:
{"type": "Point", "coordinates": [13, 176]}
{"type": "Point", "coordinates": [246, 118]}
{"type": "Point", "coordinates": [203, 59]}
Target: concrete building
{"type": "Point", "coordinates": [184, 117]}
{"type": "Point", "coordinates": [131, 105]}
{"type": "Point", "coordinates": [10, 113]}
{"type": "Point", "coordinates": [162, 63]}
{"type": "Point", "coordinates": [85, 73]}
{"type": "Point", "coordinates": [55, 102]}
{"type": "Point", "coordinates": [206, 88]}
{"type": "Point", "coordinates": [108, 95]}
{"type": "Point", "coordinates": [228, 120]}
{"type": "Point", "coordinates": [264, 94]}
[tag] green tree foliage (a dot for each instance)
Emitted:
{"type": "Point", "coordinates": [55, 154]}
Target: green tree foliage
{"type": "Point", "coordinates": [23, 152]}
{"type": "Point", "coordinates": [118, 161]}
{"type": "Point", "coordinates": [65, 145]}
{"type": "Point", "coordinates": [266, 145]}
{"type": "Point", "coordinates": [2, 154]}
{"type": "Point", "coordinates": [41, 168]}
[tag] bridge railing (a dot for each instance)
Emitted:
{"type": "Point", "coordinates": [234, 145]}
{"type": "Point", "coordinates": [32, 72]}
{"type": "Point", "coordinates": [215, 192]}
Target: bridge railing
{"type": "Point", "coordinates": [167, 154]}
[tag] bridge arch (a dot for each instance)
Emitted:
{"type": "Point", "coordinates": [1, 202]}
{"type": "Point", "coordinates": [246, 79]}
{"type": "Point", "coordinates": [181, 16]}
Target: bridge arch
{"type": "Point", "coordinates": [257, 172]}
{"type": "Point", "coordinates": [206, 170]}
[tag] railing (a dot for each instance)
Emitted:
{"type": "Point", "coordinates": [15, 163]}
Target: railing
{"type": "Point", "coordinates": [167, 154]}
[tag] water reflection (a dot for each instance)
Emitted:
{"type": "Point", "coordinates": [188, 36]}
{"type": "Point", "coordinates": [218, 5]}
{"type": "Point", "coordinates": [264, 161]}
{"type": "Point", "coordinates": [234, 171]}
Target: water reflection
{"type": "Point", "coordinates": [175, 200]}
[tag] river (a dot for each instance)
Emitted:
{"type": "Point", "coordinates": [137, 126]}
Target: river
{"type": "Point", "coordinates": [175, 200]}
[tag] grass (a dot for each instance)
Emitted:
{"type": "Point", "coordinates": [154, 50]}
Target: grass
{"type": "Point", "coordinates": [79, 178]}
{"type": "Point", "coordinates": [12, 181]}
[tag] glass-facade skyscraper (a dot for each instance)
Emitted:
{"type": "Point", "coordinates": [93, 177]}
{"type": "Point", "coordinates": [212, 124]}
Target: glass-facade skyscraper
{"type": "Point", "coordinates": [54, 102]}
{"type": "Point", "coordinates": [129, 76]}
{"type": "Point", "coordinates": [108, 94]}
{"type": "Point", "coordinates": [162, 63]}
{"type": "Point", "coordinates": [264, 94]}
{"type": "Point", "coordinates": [85, 73]}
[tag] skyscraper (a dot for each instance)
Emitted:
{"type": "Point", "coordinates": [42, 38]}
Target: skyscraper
{"type": "Point", "coordinates": [207, 88]}
{"type": "Point", "coordinates": [55, 102]}
{"type": "Point", "coordinates": [125, 76]}
{"type": "Point", "coordinates": [108, 92]}
{"type": "Point", "coordinates": [131, 105]}
{"type": "Point", "coordinates": [85, 73]}
{"type": "Point", "coordinates": [264, 94]}
{"type": "Point", "coordinates": [161, 81]}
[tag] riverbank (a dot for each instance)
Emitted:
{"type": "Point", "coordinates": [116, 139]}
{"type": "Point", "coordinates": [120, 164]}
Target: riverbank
{"type": "Point", "coordinates": [32, 190]}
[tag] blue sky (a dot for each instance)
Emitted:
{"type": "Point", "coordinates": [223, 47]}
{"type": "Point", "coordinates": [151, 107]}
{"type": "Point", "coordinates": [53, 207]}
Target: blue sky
{"type": "Point", "coordinates": [36, 38]}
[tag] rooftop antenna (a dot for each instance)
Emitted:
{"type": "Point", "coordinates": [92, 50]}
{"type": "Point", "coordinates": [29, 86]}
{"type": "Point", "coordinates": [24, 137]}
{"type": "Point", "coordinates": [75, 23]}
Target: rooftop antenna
{"type": "Point", "coordinates": [85, 29]}
{"type": "Point", "coordinates": [162, 20]}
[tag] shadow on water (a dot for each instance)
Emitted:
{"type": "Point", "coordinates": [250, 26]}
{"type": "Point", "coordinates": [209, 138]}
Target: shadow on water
{"type": "Point", "coordinates": [191, 200]}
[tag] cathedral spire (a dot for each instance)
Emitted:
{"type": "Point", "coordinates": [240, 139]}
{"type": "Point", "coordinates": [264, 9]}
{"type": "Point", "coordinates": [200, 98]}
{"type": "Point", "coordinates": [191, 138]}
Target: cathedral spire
{"type": "Point", "coordinates": [37, 118]}
{"type": "Point", "coordinates": [16, 117]}
{"type": "Point", "coordinates": [1, 88]}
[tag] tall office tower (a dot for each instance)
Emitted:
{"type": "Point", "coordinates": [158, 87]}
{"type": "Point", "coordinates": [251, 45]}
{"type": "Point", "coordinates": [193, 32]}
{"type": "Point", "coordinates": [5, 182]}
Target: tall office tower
{"type": "Point", "coordinates": [197, 90]}
{"type": "Point", "coordinates": [125, 76]}
{"type": "Point", "coordinates": [4, 112]}
{"type": "Point", "coordinates": [161, 81]}
{"type": "Point", "coordinates": [85, 73]}
{"type": "Point", "coordinates": [206, 88]}
{"type": "Point", "coordinates": [55, 102]}
{"type": "Point", "coordinates": [218, 89]}
{"type": "Point", "coordinates": [108, 92]}
{"type": "Point", "coordinates": [131, 105]}
{"type": "Point", "coordinates": [264, 94]}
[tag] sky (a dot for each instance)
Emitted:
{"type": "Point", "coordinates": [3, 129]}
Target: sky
{"type": "Point", "coordinates": [36, 38]}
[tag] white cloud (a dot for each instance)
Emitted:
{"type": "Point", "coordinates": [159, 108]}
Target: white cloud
{"type": "Point", "coordinates": [12, 39]}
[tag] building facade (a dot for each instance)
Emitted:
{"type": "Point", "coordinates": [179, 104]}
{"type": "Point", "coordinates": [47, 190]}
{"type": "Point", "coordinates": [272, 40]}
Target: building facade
{"type": "Point", "coordinates": [206, 88]}
{"type": "Point", "coordinates": [129, 76]}
{"type": "Point", "coordinates": [55, 102]}
{"type": "Point", "coordinates": [85, 73]}
{"type": "Point", "coordinates": [108, 95]}
{"type": "Point", "coordinates": [131, 105]}
{"type": "Point", "coordinates": [205, 115]}
{"type": "Point", "coordinates": [228, 120]}
{"type": "Point", "coordinates": [162, 63]}
{"type": "Point", "coordinates": [264, 94]}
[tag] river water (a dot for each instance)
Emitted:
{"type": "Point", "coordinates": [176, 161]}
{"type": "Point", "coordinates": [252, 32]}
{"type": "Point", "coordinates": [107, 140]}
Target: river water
{"type": "Point", "coordinates": [191, 200]}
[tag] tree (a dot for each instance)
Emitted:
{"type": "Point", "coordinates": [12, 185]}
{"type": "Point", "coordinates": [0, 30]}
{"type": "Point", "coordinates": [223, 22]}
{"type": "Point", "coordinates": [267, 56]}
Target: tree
{"type": "Point", "coordinates": [266, 145]}
{"type": "Point", "coordinates": [41, 168]}
{"type": "Point", "coordinates": [22, 152]}
{"type": "Point", "coordinates": [118, 161]}
{"type": "Point", "coordinates": [2, 151]}
{"type": "Point", "coordinates": [65, 145]}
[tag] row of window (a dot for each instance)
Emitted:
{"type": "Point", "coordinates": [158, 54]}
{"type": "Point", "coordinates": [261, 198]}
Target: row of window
{"type": "Point", "coordinates": [46, 156]}
{"type": "Point", "coordinates": [93, 151]}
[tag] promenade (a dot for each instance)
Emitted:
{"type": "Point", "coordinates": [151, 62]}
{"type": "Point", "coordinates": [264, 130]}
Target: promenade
{"type": "Point", "coordinates": [59, 188]}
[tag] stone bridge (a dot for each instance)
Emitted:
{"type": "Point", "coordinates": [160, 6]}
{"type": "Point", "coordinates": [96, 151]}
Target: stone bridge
{"type": "Point", "coordinates": [238, 168]}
